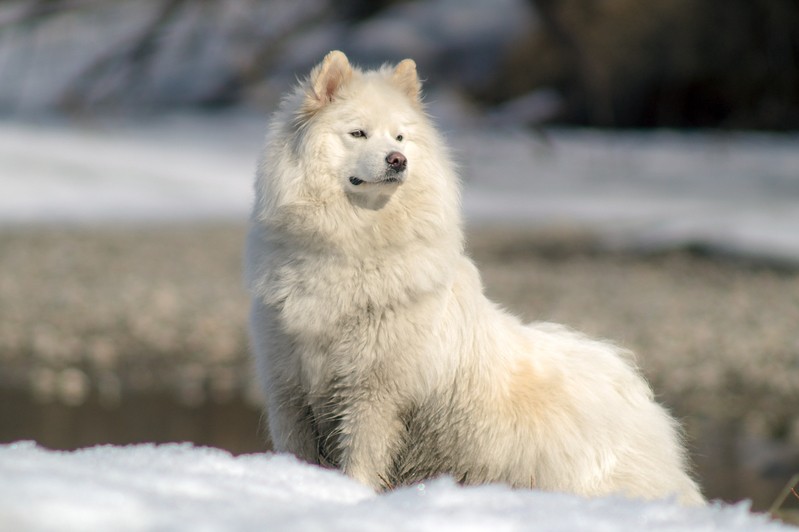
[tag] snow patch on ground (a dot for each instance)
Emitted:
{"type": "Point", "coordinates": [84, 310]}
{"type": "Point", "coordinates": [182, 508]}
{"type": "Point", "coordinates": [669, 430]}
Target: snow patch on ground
{"type": "Point", "coordinates": [735, 193]}
{"type": "Point", "coordinates": [174, 169]}
{"type": "Point", "coordinates": [182, 487]}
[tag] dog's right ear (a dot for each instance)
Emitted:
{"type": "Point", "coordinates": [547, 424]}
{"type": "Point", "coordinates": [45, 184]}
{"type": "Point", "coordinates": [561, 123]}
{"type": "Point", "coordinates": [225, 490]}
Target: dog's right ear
{"type": "Point", "coordinates": [406, 78]}
{"type": "Point", "coordinates": [326, 79]}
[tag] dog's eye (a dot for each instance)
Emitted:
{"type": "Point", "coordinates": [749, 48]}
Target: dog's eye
{"type": "Point", "coordinates": [358, 133]}
{"type": "Point", "coordinates": [399, 138]}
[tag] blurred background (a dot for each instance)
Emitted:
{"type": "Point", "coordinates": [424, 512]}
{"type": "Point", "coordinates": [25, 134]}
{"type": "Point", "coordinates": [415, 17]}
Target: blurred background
{"type": "Point", "coordinates": [630, 168]}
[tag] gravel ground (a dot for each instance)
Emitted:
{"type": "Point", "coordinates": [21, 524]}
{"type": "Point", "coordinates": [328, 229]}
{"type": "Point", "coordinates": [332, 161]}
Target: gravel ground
{"type": "Point", "coordinates": [96, 314]}
{"type": "Point", "coordinates": [108, 311]}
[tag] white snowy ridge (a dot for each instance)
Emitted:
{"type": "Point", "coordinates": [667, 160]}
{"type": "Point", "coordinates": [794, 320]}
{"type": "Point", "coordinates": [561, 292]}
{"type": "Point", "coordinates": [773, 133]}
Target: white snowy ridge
{"type": "Point", "coordinates": [182, 487]}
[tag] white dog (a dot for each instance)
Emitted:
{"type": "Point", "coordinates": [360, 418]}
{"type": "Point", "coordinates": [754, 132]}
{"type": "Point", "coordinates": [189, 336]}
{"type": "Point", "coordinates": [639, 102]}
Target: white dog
{"type": "Point", "coordinates": [377, 349]}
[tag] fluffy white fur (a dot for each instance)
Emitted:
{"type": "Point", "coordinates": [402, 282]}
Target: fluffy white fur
{"type": "Point", "coordinates": [378, 351]}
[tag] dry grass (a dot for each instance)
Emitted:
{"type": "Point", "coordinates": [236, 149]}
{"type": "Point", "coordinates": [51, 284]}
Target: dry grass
{"type": "Point", "coordinates": [787, 515]}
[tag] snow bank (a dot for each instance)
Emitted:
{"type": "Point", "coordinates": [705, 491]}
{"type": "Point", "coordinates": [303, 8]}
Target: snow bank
{"type": "Point", "coordinates": [736, 193]}
{"type": "Point", "coordinates": [181, 487]}
{"type": "Point", "coordinates": [202, 44]}
{"type": "Point", "coordinates": [171, 169]}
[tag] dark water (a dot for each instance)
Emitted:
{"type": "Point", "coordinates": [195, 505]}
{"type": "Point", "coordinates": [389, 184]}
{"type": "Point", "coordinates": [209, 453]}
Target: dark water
{"type": "Point", "coordinates": [157, 418]}
{"type": "Point", "coordinates": [731, 465]}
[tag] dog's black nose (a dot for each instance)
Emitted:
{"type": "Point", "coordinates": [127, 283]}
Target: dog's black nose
{"type": "Point", "coordinates": [396, 161]}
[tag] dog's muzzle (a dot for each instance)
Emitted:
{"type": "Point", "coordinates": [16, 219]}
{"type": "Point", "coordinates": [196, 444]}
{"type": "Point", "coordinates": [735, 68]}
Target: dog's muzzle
{"type": "Point", "coordinates": [395, 173]}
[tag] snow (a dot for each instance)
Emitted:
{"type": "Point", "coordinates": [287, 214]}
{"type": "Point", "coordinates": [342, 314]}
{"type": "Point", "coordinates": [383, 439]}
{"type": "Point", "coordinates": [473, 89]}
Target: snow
{"type": "Point", "coordinates": [182, 487]}
{"type": "Point", "coordinates": [206, 42]}
{"type": "Point", "coordinates": [175, 169]}
{"type": "Point", "coordinates": [732, 192]}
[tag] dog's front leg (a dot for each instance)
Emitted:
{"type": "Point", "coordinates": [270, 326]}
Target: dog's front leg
{"type": "Point", "coordinates": [291, 424]}
{"type": "Point", "coordinates": [371, 434]}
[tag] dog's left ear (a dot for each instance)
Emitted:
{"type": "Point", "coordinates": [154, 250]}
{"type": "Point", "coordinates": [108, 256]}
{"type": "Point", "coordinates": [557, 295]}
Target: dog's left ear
{"type": "Point", "coordinates": [405, 78]}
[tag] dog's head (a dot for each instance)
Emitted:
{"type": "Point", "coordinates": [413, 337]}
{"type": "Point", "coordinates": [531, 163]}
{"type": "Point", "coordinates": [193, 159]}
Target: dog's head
{"type": "Point", "coordinates": [352, 149]}
{"type": "Point", "coordinates": [363, 126]}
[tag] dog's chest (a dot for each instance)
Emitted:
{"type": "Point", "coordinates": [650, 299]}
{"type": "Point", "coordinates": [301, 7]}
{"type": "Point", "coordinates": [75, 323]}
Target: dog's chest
{"type": "Point", "coordinates": [359, 321]}
{"type": "Point", "coordinates": [357, 348]}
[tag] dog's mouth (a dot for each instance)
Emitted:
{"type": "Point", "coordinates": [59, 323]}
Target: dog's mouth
{"type": "Point", "coordinates": [356, 181]}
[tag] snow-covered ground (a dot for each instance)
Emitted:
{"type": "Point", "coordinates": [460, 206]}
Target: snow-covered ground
{"type": "Point", "coordinates": [176, 168]}
{"type": "Point", "coordinates": [201, 44]}
{"type": "Point", "coordinates": [734, 192]}
{"type": "Point", "coordinates": [180, 487]}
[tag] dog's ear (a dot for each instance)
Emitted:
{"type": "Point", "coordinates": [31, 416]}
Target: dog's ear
{"type": "Point", "coordinates": [405, 78]}
{"type": "Point", "coordinates": [326, 79]}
